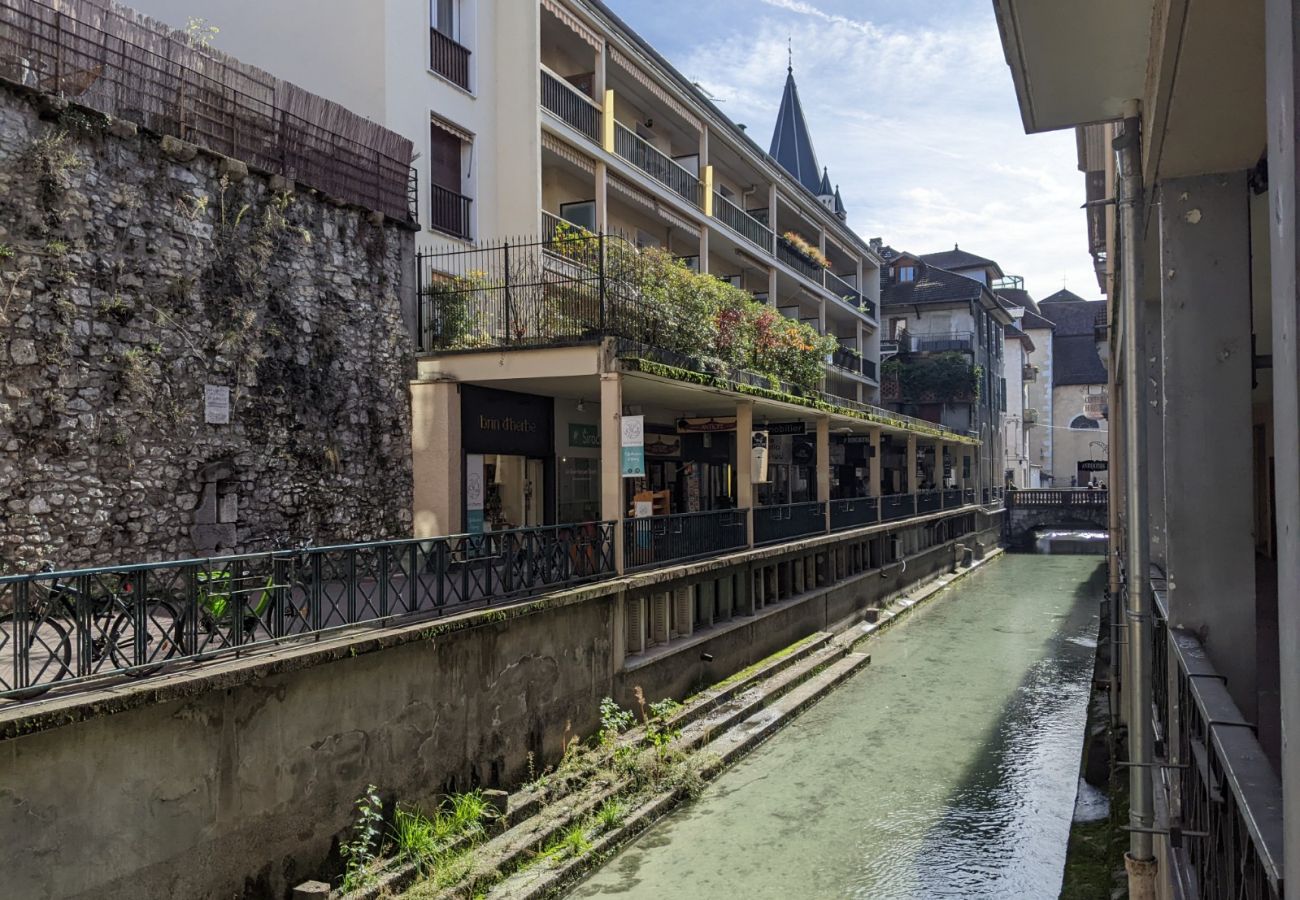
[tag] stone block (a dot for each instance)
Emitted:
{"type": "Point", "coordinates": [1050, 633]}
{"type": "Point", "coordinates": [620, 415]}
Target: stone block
{"type": "Point", "coordinates": [311, 890]}
{"type": "Point", "coordinates": [181, 151]}
{"type": "Point", "coordinates": [121, 128]}
{"type": "Point", "coordinates": [233, 169]}
{"type": "Point", "coordinates": [280, 185]}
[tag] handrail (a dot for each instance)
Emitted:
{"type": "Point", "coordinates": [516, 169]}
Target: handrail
{"type": "Point", "coordinates": [571, 105]}
{"type": "Point", "coordinates": [741, 222]}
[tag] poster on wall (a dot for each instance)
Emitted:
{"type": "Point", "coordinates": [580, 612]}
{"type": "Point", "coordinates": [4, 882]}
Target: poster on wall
{"type": "Point", "coordinates": [474, 493]}
{"type": "Point", "coordinates": [633, 446]}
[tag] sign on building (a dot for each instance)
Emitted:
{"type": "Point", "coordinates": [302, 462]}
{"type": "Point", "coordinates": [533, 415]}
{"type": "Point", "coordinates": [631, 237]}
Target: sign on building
{"type": "Point", "coordinates": [633, 446]}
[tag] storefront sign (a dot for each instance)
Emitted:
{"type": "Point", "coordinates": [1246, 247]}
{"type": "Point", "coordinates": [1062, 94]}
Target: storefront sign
{"type": "Point", "coordinates": [1093, 465]}
{"type": "Point", "coordinates": [1095, 406]}
{"type": "Point", "coordinates": [786, 428]}
{"type": "Point", "coordinates": [857, 439]}
{"type": "Point", "coordinates": [475, 490]}
{"type": "Point", "coordinates": [663, 446]}
{"type": "Point", "coordinates": [633, 446]}
{"type": "Point", "coordinates": [506, 422]}
{"type": "Point", "coordinates": [706, 425]}
{"type": "Point", "coordinates": [581, 435]}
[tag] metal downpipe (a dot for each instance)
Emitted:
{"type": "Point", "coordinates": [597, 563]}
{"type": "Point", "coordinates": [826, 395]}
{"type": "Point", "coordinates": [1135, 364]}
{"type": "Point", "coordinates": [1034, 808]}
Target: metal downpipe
{"type": "Point", "coordinates": [1140, 862]}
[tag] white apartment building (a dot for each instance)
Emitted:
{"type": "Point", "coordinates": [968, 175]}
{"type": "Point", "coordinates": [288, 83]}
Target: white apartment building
{"type": "Point", "coordinates": [528, 112]}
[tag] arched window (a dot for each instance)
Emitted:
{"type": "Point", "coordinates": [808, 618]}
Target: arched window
{"type": "Point", "coordinates": [1084, 422]}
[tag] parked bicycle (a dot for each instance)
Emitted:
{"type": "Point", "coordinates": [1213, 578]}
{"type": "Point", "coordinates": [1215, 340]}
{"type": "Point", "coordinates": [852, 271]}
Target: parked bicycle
{"type": "Point", "coordinates": [106, 623]}
{"type": "Point", "coordinates": [240, 606]}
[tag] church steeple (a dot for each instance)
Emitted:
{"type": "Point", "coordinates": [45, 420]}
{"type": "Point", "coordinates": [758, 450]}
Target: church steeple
{"type": "Point", "coordinates": [791, 145]}
{"type": "Point", "coordinates": [792, 148]}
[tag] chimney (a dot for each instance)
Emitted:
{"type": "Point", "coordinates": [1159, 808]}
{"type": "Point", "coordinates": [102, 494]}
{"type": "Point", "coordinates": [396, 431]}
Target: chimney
{"type": "Point", "coordinates": [876, 244]}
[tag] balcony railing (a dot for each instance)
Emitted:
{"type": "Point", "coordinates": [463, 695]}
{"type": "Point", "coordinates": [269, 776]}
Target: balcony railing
{"type": "Point", "coordinates": [448, 58]}
{"type": "Point", "coordinates": [657, 540]}
{"type": "Point", "coordinates": [800, 263]}
{"type": "Point", "coordinates": [1057, 498]}
{"type": "Point", "coordinates": [929, 501]}
{"type": "Point", "coordinates": [788, 521]}
{"type": "Point", "coordinates": [941, 342]}
{"type": "Point", "coordinates": [869, 368]}
{"type": "Point", "coordinates": [449, 211]}
{"type": "Point", "coordinates": [842, 289]}
{"type": "Point", "coordinates": [849, 360]}
{"type": "Point", "coordinates": [742, 223]}
{"type": "Point", "coordinates": [655, 163]}
{"type": "Point", "coordinates": [897, 506]}
{"type": "Point", "coordinates": [854, 512]}
{"type": "Point", "coordinates": [571, 105]}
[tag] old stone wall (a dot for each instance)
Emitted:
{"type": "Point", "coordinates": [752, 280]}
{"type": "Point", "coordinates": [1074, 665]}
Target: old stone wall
{"type": "Point", "coordinates": [193, 359]}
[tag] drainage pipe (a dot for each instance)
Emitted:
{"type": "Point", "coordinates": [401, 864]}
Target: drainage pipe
{"type": "Point", "coordinates": [1140, 861]}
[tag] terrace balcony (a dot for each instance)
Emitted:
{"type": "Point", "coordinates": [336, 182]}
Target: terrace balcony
{"type": "Point", "coordinates": [449, 58]}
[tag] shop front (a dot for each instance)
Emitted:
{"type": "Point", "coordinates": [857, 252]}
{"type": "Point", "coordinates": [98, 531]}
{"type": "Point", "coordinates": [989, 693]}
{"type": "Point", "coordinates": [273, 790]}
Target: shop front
{"type": "Point", "coordinates": [509, 458]}
{"type": "Point", "coordinates": [690, 466]}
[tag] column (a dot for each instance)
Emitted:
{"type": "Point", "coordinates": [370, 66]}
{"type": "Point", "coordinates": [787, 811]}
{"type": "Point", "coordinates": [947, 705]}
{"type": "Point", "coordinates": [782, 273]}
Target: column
{"type": "Point", "coordinates": [437, 469]}
{"type": "Point", "coordinates": [909, 468]}
{"type": "Point", "coordinates": [704, 248]}
{"type": "Point", "coordinates": [745, 465]}
{"type": "Point", "coordinates": [771, 286]}
{"type": "Point", "coordinates": [602, 197]}
{"type": "Point", "coordinates": [1282, 69]}
{"type": "Point", "coordinates": [1207, 368]}
{"type": "Point", "coordinates": [824, 468]}
{"type": "Point", "coordinates": [873, 469]}
{"type": "Point", "coordinates": [611, 468]}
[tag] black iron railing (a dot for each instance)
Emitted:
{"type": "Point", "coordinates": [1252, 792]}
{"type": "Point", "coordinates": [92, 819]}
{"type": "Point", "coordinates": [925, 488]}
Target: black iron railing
{"type": "Point", "coordinates": [571, 105]}
{"type": "Point", "coordinates": [788, 521]}
{"type": "Point", "coordinates": [449, 212]}
{"type": "Point", "coordinates": [449, 58]}
{"type": "Point", "coordinates": [800, 263]}
{"type": "Point", "coordinates": [854, 512]}
{"type": "Point", "coordinates": [952, 497]}
{"type": "Point", "coordinates": [107, 59]}
{"type": "Point", "coordinates": [897, 506]}
{"type": "Point", "coordinates": [657, 540]}
{"type": "Point", "coordinates": [1226, 812]}
{"type": "Point", "coordinates": [847, 358]}
{"type": "Point", "coordinates": [929, 501]}
{"type": "Point", "coordinates": [869, 368]}
{"type": "Point", "coordinates": [842, 289]}
{"type": "Point", "coordinates": [742, 223]}
{"type": "Point", "coordinates": [655, 163]}
{"type": "Point", "coordinates": [1056, 498]}
{"type": "Point", "coordinates": [70, 627]}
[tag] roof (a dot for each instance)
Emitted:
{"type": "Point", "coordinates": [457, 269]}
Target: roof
{"type": "Point", "coordinates": [791, 144]}
{"type": "Point", "coordinates": [1032, 319]}
{"type": "Point", "coordinates": [956, 258]}
{"type": "Point", "coordinates": [1074, 345]}
{"type": "Point", "coordinates": [1064, 296]}
{"type": "Point", "coordinates": [932, 285]}
{"type": "Point", "coordinates": [1015, 334]}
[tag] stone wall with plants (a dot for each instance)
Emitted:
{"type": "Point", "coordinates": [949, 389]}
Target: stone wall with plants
{"type": "Point", "coordinates": [146, 289]}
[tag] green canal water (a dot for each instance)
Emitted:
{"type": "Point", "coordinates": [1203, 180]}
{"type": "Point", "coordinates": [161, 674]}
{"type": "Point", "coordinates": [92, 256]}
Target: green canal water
{"type": "Point", "coordinates": [947, 768]}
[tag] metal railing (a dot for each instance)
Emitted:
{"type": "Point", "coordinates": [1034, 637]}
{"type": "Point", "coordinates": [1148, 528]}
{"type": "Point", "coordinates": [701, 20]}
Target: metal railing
{"type": "Point", "coordinates": [869, 368]}
{"type": "Point", "coordinates": [742, 223]}
{"type": "Point", "coordinates": [449, 211]}
{"type": "Point", "coordinates": [449, 58]}
{"type": "Point", "coordinates": [788, 521]}
{"type": "Point", "coordinates": [157, 79]}
{"type": "Point", "coordinates": [800, 263]}
{"type": "Point", "coordinates": [846, 358]}
{"type": "Point", "coordinates": [655, 163]}
{"type": "Point", "coordinates": [929, 501]}
{"type": "Point", "coordinates": [854, 512]}
{"type": "Point", "coordinates": [897, 506]}
{"type": "Point", "coordinates": [656, 540]}
{"type": "Point", "coordinates": [571, 105]}
{"type": "Point", "coordinates": [70, 627]}
{"type": "Point", "coordinates": [942, 342]}
{"type": "Point", "coordinates": [952, 497]}
{"type": "Point", "coordinates": [1225, 808]}
{"type": "Point", "coordinates": [842, 289]}
{"type": "Point", "coordinates": [1057, 498]}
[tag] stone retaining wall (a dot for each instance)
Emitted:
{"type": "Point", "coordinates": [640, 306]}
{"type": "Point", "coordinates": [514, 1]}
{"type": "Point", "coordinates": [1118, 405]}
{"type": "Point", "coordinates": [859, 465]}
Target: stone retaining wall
{"type": "Point", "coordinates": [135, 274]}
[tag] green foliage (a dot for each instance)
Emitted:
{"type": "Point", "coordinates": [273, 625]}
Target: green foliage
{"type": "Point", "coordinates": [614, 720]}
{"type": "Point", "coordinates": [567, 844]}
{"type": "Point", "coordinates": [360, 852]}
{"type": "Point", "coordinates": [610, 815]}
{"type": "Point", "coordinates": [941, 378]}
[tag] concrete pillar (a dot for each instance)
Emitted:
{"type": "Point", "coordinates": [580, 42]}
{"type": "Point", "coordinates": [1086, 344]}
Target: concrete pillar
{"type": "Point", "coordinates": [909, 465]}
{"type": "Point", "coordinates": [602, 197]}
{"type": "Point", "coordinates": [1207, 370]}
{"type": "Point", "coordinates": [771, 286]}
{"type": "Point", "coordinates": [1152, 344]}
{"type": "Point", "coordinates": [873, 469]}
{"type": "Point", "coordinates": [745, 465]}
{"type": "Point", "coordinates": [611, 469]}
{"type": "Point", "coordinates": [704, 248]}
{"type": "Point", "coordinates": [824, 467]}
{"type": "Point", "coordinates": [1282, 68]}
{"type": "Point", "coordinates": [437, 468]}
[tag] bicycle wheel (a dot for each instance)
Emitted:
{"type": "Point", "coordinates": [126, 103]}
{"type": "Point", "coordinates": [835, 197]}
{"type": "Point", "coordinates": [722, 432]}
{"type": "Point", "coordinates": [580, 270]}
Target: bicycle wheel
{"type": "Point", "coordinates": [161, 638]}
{"type": "Point", "coordinates": [30, 666]}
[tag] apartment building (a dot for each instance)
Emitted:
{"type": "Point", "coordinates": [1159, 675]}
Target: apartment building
{"type": "Point", "coordinates": [1079, 392]}
{"type": "Point", "coordinates": [1018, 374]}
{"type": "Point", "coordinates": [1036, 380]}
{"type": "Point", "coordinates": [1185, 121]}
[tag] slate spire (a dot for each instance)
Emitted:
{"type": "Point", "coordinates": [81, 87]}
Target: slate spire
{"type": "Point", "coordinates": [791, 145]}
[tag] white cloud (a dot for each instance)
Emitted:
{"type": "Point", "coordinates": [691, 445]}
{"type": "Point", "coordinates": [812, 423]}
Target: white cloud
{"type": "Point", "coordinates": [920, 129]}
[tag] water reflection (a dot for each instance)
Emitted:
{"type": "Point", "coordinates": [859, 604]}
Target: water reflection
{"type": "Point", "coordinates": [947, 769]}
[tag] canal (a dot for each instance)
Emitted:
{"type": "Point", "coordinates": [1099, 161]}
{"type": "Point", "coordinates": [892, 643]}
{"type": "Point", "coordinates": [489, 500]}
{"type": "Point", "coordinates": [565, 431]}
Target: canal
{"type": "Point", "coordinates": [947, 768]}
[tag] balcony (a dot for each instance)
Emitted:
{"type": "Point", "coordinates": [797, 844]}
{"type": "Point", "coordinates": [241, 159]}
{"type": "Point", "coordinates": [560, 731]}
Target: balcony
{"type": "Point", "coordinates": [657, 164]}
{"type": "Point", "coordinates": [448, 58]}
{"type": "Point", "coordinates": [571, 106]}
{"type": "Point", "coordinates": [799, 262]}
{"type": "Point", "coordinates": [449, 212]}
{"type": "Point", "coordinates": [848, 359]}
{"type": "Point", "coordinates": [741, 222]}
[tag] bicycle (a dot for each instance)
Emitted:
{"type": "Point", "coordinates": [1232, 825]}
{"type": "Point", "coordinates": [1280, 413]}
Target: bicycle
{"type": "Point", "coordinates": [226, 617]}
{"type": "Point", "coordinates": [137, 636]}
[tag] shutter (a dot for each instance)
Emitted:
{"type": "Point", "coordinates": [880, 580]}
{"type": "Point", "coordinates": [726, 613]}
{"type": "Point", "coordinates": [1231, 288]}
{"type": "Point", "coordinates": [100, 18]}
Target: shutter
{"type": "Point", "coordinates": [684, 620]}
{"type": "Point", "coordinates": [444, 159]}
{"type": "Point", "coordinates": [659, 618]}
{"type": "Point", "coordinates": [635, 629]}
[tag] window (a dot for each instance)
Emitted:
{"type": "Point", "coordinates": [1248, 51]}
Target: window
{"type": "Point", "coordinates": [1081, 422]}
{"type": "Point", "coordinates": [906, 273]}
{"type": "Point", "coordinates": [445, 19]}
{"type": "Point", "coordinates": [447, 56]}
{"type": "Point", "coordinates": [582, 213]}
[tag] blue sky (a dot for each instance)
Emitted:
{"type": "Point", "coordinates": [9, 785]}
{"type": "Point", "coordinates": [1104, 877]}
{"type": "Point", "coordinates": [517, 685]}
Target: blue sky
{"type": "Point", "coordinates": [911, 106]}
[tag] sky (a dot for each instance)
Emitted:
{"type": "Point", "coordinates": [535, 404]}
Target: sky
{"type": "Point", "coordinates": [910, 104]}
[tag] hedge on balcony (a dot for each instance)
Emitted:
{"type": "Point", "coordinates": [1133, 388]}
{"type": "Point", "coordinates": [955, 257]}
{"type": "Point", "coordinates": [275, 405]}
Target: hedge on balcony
{"type": "Point", "coordinates": [941, 378]}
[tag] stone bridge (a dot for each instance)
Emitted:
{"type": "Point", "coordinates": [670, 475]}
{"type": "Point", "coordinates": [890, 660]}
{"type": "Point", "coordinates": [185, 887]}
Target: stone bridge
{"type": "Point", "coordinates": [1076, 508]}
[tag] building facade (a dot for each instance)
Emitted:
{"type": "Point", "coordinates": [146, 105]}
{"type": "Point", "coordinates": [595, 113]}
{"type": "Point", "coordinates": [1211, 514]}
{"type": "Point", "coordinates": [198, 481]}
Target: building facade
{"type": "Point", "coordinates": [1079, 392]}
{"type": "Point", "coordinates": [1016, 429]}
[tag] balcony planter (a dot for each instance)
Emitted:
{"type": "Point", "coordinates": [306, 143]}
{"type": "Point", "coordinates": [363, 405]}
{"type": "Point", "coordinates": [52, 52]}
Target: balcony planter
{"type": "Point", "coordinates": [797, 245]}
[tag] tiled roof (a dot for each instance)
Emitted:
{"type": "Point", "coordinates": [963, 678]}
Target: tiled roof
{"type": "Point", "coordinates": [1074, 345]}
{"type": "Point", "coordinates": [1032, 319]}
{"type": "Point", "coordinates": [932, 285]}
{"type": "Point", "coordinates": [1018, 297]}
{"type": "Point", "coordinates": [957, 258]}
{"type": "Point", "coordinates": [791, 143]}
